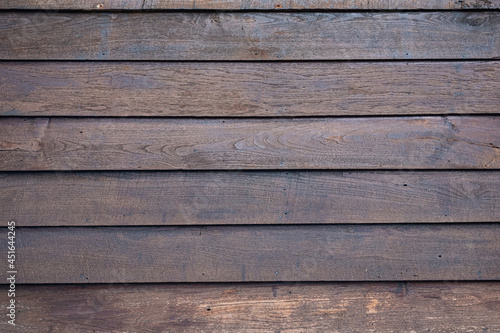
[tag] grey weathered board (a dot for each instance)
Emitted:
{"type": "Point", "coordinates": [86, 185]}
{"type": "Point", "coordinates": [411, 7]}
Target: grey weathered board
{"type": "Point", "coordinates": [390, 252]}
{"type": "Point", "coordinates": [241, 89]}
{"type": "Point", "coordinates": [202, 144]}
{"type": "Point", "coordinates": [250, 36]}
{"type": "Point", "coordinates": [250, 4]}
{"type": "Point", "coordinates": [265, 197]}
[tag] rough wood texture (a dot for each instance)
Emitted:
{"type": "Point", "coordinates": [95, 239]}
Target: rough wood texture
{"type": "Point", "coordinates": [277, 307]}
{"type": "Point", "coordinates": [248, 89]}
{"type": "Point", "coordinates": [257, 253]}
{"type": "Point", "coordinates": [252, 4]}
{"type": "Point", "coordinates": [249, 36]}
{"type": "Point", "coordinates": [204, 198]}
{"type": "Point", "coordinates": [304, 143]}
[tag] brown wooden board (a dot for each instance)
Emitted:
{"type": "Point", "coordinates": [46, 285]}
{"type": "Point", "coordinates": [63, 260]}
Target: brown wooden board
{"type": "Point", "coordinates": [204, 198]}
{"type": "Point", "coordinates": [249, 36]}
{"type": "Point", "coordinates": [266, 307]}
{"type": "Point", "coordinates": [248, 89]}
{"type": "Point", "coordinates": [249, 5]}
{"type": "Point", "coordinates": [403, 252]}
{"type": "Point", "coordinates": [303, 143]}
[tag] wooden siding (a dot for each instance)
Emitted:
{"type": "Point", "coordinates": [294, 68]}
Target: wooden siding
{"type": "Point", "coordinates": [259, 253]}
{"type": "Point", "coordinates": [250, 36]}
{"type": "Point", "coordinates": [242, 89]}
{"type": "Point", "coordinates": [250, 5]}
{"type": "Point", "coordinates": [192, 144]}
{"type": "Point", "coordinates": [270, 166]}
{"type": "Point", "coordinates": [240, 197]}
{"type": "Point", "coordinates": [266, 307]}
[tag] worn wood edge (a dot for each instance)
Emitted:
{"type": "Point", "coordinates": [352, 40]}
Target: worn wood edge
{"type": "Point", "coordinates": [267, 307]}
{"type": "Point", "coordinates": [235, 197]}
{"type": "Point", "coordinates": [398, 143]}
{"type": "Point", "coordinates": [257, 253]}
{"type": "Point", "coordinates": [90, 5]}
{"type": "Point", "coordinates": [153, 89]}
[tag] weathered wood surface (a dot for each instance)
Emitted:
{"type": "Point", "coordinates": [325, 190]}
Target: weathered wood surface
{"type": "Point", "coordinates": [252, 4]}
{"type": "Point", "coordinates": [257, 253]}
{"type": "Point", "coordinates": [249, 36]}
{"type": "Point", "coordinates": [270, 307]}
{"type": "Point", "coordinates": [300, 143]}
{"type": "Point", "coordinates": [248, 89]}
{"type": "Point", "coordinates": [205, 198]}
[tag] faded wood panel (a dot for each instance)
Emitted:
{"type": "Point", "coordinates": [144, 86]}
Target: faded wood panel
{"type": "Point", "coordinates": [249, 36]}
{"type": "Point", "coordinates": [257, 253]}
{"type": "Point", "coordinates": [303, 143]}
{"type": "Point", "coordinates": [276, 307]}
{"type": "Point", "coordinates": [252, 4]}
{"type": "Point", "coordinates": [248, 89]}
{"type": "Point", "coordinates": [205, 198]}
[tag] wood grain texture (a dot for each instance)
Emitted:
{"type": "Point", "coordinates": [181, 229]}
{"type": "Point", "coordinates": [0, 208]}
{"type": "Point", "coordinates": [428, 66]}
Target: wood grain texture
{"type": "Point", "coordinates": [300, 143]}
{"type": "Point", "coordinates": [245, 5]}
{"type": "Point", "coordinates": [268, 307]}
{"type": "Point", "coordinates": [404, 252]}
{"type": "Point", "coordinates": [205, 198]}
{"type": "Point", "coordinates": [249, 36]}
{"type": "Point", "coordinates": [248, 89]}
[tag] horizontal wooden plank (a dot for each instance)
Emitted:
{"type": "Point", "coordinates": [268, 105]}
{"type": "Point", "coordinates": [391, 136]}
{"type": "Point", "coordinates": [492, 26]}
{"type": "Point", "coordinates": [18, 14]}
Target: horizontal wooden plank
{"type": "Point", "coordinates": [248, 89]}
{"type": "Point", "coordinates": [249, 36]}
{"type": "Point", "coordinates": [403, 252]}
{"type": "Point", "coordinates": [297, 143]}
{"type": "Point", "coordinates": [204, 198]}
{"type": "Point", "coordinates": [276, 307]}
{"type": "Point", "coordinates": [245, 5]}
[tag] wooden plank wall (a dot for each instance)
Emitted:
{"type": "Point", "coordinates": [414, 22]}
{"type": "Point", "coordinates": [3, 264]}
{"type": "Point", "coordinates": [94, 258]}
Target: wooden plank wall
{"type": "Point", "coordinates": [269, 166]}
